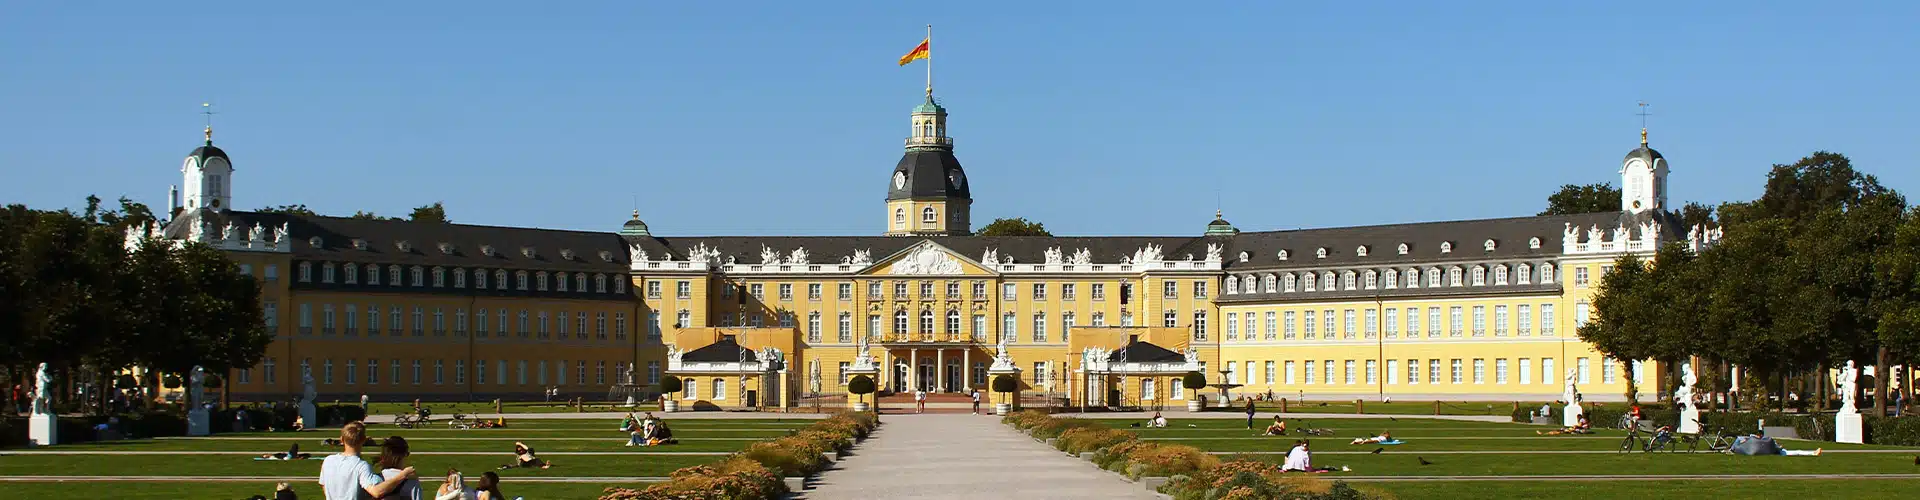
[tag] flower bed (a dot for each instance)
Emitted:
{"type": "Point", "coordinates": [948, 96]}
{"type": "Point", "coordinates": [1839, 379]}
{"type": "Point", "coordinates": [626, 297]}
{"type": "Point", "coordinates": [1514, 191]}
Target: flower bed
{"type": "Point", "coordinates": [1193, 474]}
{"type": "Point", "coordinates": [755, 473]}
{"type": "Point", "coordinates": [1084, 439]}
{"type": "Point", "coordinates": [1249, 479]}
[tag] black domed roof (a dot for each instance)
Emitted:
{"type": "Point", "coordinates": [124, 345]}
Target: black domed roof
{"type": "Point", "coordinates": [209, 151]}
{"type": "Point", "coordinates": [1644, 152]}
{"type": "Point", "coordinates": [928, 173]}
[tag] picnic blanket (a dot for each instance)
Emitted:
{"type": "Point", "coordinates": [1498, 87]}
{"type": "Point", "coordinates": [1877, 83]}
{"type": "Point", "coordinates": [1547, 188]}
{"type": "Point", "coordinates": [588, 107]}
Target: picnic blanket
{"type": "Point", "coordinates": [1395, 441]}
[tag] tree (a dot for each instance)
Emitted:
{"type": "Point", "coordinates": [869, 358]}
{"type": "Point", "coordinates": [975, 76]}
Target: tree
{"type": "Point", "coordinates": [1622, 322]}
{"type": "Point", "coordinates": [1693, 214]}
{"type": "Point", "coordinates": [861, 385]}
{"type": "Point", "coordinates": [365, 215]}
{"type": "Point", "coordinates": [1582, 199]}
{"type": "Point", "coordinates": [1193, 381]}
{"type": "Point", "coordinates": [434, 213]}
{"type": "Point", "coordinates": [1013, 227]}
{"type": "Point", "coordinates": [301, 210]}
{"type": "Point", "coordinates": [670, 385]}
{"type": "Point", "coordinates": [1005, 384]}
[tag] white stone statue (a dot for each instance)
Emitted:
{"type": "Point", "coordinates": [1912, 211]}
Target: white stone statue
{"type": "Point", "coordinates": [990, 256]}
{"type": "Point", "coordinates": [198, 423]}
{"type": "Point", "coordinates": [1081, 257]}
{"type": "Point", "coordinates": [1683, 397]}
{"type": "Point", "coordinates": [1147, 254]}
{"type": "Point", "coordinates": [1053, 256]}
{"type": "Point", "coordinates": [42, 391]}
{"type": "Point", "coordinates": [1213, 252]}
{"type": "Point", "coordinates": [307, 393]}
{"type": "Point", "coordinates": [862, 257]}
{"type": "Point", "coordinates": [798, 256]}
{"type": "Point", "coordinates": [281, 234]}
{"type": "Point", "coordinates": [196, 231]}
{"type": "Point", "coordinates": [862, 357]}
{"type": "Point", "coordinates": [1594, 235]}
{"type": "Point", "coordinates": [1573, 411]}
{"type": "Point", "coordinates": [1569, 238]}
{"type": "Point", "coordinates": [926, 260]}
{"type": "Point", "coordinates": [1845, 380]}
{"type": "Point", "coordinates": [229, 232]}
{"type": "Point", "coordinates": [257, 234]}
{"type": "Point", "coordinates": [768, 256]}
{"type": "Point", "coordinates": [639, 254]}
{"type": "Point", "coordinates": [1621, 234]}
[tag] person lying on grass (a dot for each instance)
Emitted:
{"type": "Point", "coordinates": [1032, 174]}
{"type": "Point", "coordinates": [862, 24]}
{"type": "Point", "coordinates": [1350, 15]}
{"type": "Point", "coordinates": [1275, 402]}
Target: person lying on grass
{"type": "Point", "coordinates": [1301, 460]}
{"type": "Point", "coordinates": [1278, 428]}
{"type": "Point", "coordinates": [291, 454]}
{"type": "Point", "coordinates": [1385, 436]}
{"type": "Point", "coordinates": [523, 457]}
{"type": "Point", "coordinates": [1579, 427]}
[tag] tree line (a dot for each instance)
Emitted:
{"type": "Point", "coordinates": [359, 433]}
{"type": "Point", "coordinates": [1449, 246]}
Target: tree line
{"type": "Point", "coordinates": [435, 213]}
{"type": "Point", "coordinates": [1817, 271]}
{"type": "Point", "coordinates": [75, 296]}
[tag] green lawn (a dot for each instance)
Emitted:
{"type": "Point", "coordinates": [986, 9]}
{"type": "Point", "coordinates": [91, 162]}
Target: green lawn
{"type": "Point", "coordinates": [240, 490]}
{"type": "Point", "coordinates": [1498, 408]}
{"type": "Point", "coordinates": [1641, 490]}
{"type": "Point", "coordinates": [548, 436]}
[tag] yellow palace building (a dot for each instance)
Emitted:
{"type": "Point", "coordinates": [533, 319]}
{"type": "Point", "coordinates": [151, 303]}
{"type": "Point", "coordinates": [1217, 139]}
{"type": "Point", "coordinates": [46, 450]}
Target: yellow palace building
{"type": "Point", "coordinates": [1458, 310]}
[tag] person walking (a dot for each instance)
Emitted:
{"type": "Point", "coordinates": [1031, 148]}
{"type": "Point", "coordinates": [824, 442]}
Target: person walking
{"type": "Point", "coordinates": [920, 398]}
{"type": "Point", "coordinates": [976, 401]}
{"type": "Point", "coordinates": [345, 476]}
{"type": "Point", "coordinates": [1249, 414]}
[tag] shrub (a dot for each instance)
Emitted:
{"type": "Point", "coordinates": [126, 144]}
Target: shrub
{"type": "Point", "coordinates": [670, 385]}
{"type": "Point", "coordinates": [1005, 384]}
{"type": "Point", "coordinates": [1194, 381]}
{"type": "Point", "coordinates": [1026, 419]}
{"type": "Point", "coordinates": [1053, 427]}
{"type": "Point", "coordinates": [1255, 479]}
{"type": "Point", "coordinates": [861, 385]}
{"type": "Point", "coordinates": [1083, 439]}
{"type": "Point", "coordinates": [1167, 460]}
{"type": "Point", "coordinates": [789, 456]}
{"type": "Point", "coordinates": [736, 478]}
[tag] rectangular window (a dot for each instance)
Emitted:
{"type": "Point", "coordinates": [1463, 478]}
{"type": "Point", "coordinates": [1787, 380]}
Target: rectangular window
{"type": "Point", "coordinates": [1099, 291]}
{"type": "Point", "coordinates": [1326, 324]}
{"type": "Point", "coordinates": [1200, 326]}
{"type": "Point", "coordinates": [900, 290]}
{"type": "Point", "coordinates": [1289, 372]}
{"type": "Point", "coordinates": [814, 291]}
{"type": "Point", "coordinates": [352, 371]}
{"type": "Point", "coordinates": [1500, 371]}
{"type": "Point", "coordinates": [1008, 292]}
{"type": "Point", "coordinates": [1526, 371]}
{"type": "Point", "coordinates": [1312, 325]}
{"type": "Point", "coordinates": [1582, 365]}
{"type": "Point", "coordinates": [979, 290]}
{"type": "Point", "coordinates": [480, 372]}
{"type": "Point", "coordinates": [1199, 289]}
{"type": "Point", "coordinates": [1433, 371]}
{"type": "Point", "coordinates": [873, 290]}
{"type": "Point", "coordinates": [1546, 320]}
{"type": "Point", "coordinates": [1455, 321]}
{"type": "Point", "coordinates": [926, 290]}
{"type": "Point", "coordinates": [1479, 371]}
{"type": "Point", "coordinates": [1499, 321]}
{"type": "Point", "coordinates": [1457, 375]}
{"type": "Point", "coordinates": [1039, 328]}
{"type": "Point", "coordinates": [1373, 374]}
{"type": "Point", "coordinates": [1393, 372]}
{"type": "Point", "coordinates": [1170, 290]}
{"type": "Point", "coordinates": [1066, 291]}
{"type": "Point", "coordinates": [1268, 369]}
{"type": "Point", "coordinates": [1309, 372]}
{"type": "Point", "coordinates": [1039, 372]}
{"type": "Point", "coordinates": [1580, 277]}
{"type": "Point", "coordinates": [786, 291]}
{"type": "Point", "coordinates": [979, 327]}
{"type": "Point", "coordinates": [1479, 321]}
{"type": "Point", "coordinates": [683, 289]}
{"type": "Point", "coordinates": [1524, 326]}
{"type": "Point", "coordinates": [1326, 371]}
{"type": "Point", "coordinates": [1270, 328]}
{"type": "Point", "coordinates": [326, 319]}
{"type": "Point", "coordinates": [846, 291]}
{"type": "Point", "coordinates": [1413, 372]}
{"type": "Point", "coordinates": [1346, 324]}
{"type": "Point", "coordinates": [1393, 324]}
{"type": "Point", "coordinates": [1433, 322]}
{"type": "Point", "coordinates": [1233, 326]}
{"type": "Point", "coordinates": [1287, 325]}
{"type": "Point", "coordinates": [1039, 291]}
{"type": "Point", "coordinates": [460, 372]}
{"type": "Point", "coordinates": [1607, 369]}
{"type": "Point", "coordinates": [1547, 374]}
{"type": "Point", "coordinates": [653, 372]}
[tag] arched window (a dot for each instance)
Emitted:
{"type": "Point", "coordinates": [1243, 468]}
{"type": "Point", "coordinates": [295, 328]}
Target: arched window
{"type": "Point", "coordinates": [1490, 245]}
{"type": "Point", "coordinates": [926, 215]}
{"type": "Point", "coordinates": [1524, 274]}
{"type": "Point", "coordinates": [419, 276]}
{"type": "Point", "coordinates": [1500, 274]}
{"type": "Point", "coordinates": [1370, 280]}
{"type": "Point", "coordinates": [521, 277]}
{"type": "Point", "coordinates": [1479, 276]}
{"type": "Point", "coordinates": [1446, 247]}
{"type": "Point", "coordinates": [1453, 276]}
{"type": "Point", "coordinates": [899, 217]}
{"type": "Point", "coordinates": [1360, 251]}
{"type": "Point", "coordinates": [1233, 285]}
{"type": "Point", "coordinates": [480, 279]}
{"type": "Point", "coordinates": [1433, 277]}
{"type": "Point", "coordinates": [1403, 249]}
{"type": "Point", "coordinates": [600, 283]}
{"type": "Point", "coordinates": [1320, 253]}
{"type": "Point", "coordinates": [1393, 278]}
{"type": "Point", "coordinates": [1533, 243]}
{"type": "Point", "coordinates": [560, 282]}
{"type": "Point", "coordinates": [900, 321]}
{"type": "Point", "coordinates": [926, 321]}
{"type": "Point", "coordinates": [1309, 282]}
{"type": "Point", "coordinates": [1266, 283]}
{"type": "Point", "coordinates": [1546, 274]}
{"type": "Point", "coordinates": [1326, 281]}
{"type": "Point", "coordinates": [353, 273]}
{"type": "Point", "coordinates": [373, 274]}
{"type": "Point", "coordinates": [540, 281]}
{"type": "Point", "coordinates": [1290, 279]}
{"type": "Point", "coordinates": [500, 279]}
{"type": "Point", "coordinates": [1346, 280]}
{"type": "Point", "coordinates": [394, 276]}
{"type": "Point", "coordinates": [953, 321]}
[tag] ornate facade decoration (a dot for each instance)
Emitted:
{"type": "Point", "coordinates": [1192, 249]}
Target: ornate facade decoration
{"type": "Point", "coordinates": [926, 260]}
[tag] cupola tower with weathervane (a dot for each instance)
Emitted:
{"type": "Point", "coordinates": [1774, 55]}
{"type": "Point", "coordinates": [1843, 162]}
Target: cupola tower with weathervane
{"type": "Point", "coordinates": [1643, 178]}
{"type": "Point", "coordinates": [208, 177]}
{"type": "Point", "coordinates": [928, 193]}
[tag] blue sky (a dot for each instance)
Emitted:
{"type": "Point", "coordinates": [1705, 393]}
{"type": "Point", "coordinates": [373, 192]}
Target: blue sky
{"type": "Point", "coordinates": [1093, 117]}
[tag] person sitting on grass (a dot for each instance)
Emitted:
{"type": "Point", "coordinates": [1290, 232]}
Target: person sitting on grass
{"type": "Point", "coordinates": [455, 488]}
{"type": "Point", "coordinates": [1579, 427]}
{"type": "Point", "coordinates": [1384, 436]}
{"type": "Point", "coordinates": [489, 488]}
{"type": "Point", "coordinates": [345, 476]}
{"type": "Point", "coordinates": [1278, 428]}
{"type": "Point", "coordinates": [1157, 420]}
{"type": "Point", "coordinates": [523, 457]}
{"type": "Point", "coordinates": [393, 463]}
{"type": "Point", "coordinates": [659, 434]}
{"type": "Point", "coordinates": [628, 423]}
{"type": "Point", "coordinates": [299, 424]}
{"type": "Point", "coordinates": [291, 454]}
{"type": "Point", "coordinates": [1301, 460]}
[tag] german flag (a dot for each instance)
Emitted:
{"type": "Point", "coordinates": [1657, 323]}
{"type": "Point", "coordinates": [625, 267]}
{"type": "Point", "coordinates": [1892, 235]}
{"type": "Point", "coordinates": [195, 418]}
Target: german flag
{"type": "Point", "coordinates": [919, 52]}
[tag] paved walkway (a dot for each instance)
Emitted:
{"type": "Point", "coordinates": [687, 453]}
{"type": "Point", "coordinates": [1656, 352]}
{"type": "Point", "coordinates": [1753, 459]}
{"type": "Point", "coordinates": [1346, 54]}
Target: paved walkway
{"type": "Point", "coordinates": [963, 456]}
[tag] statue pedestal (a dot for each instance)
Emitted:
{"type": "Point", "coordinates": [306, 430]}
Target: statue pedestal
{"type": "Point", "coordinates": [1690, 420]}
{"type": "Point", "coordinates": [1193, 405]}
{"type": "Point", "coordinates": [197, 422]}
{"type": "Point", "coordinates": [630, 401]}
{"type": "Point", "coordinates": [43, 429]}
{"type": "Point", "coordinates": [309, 414]}
{"type": "Point", "coordinates": [668, 404]}
{"type": "Point", "coordinates": [1570, 415]}
{"type": "Point", "coordinates": [1847, 428]}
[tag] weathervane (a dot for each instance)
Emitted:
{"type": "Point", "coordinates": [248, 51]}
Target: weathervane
{"type": "Point", "coordinates": [206, 108]}
{"type": "Point", "coordinates": [1643, 122]}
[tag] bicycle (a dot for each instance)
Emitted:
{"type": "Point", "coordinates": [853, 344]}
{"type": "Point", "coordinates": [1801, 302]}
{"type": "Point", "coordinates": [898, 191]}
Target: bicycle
{"type": "Point", "coordinates": [1632, 441]}
{"type": "Point", "coordinates": [1721, 442]}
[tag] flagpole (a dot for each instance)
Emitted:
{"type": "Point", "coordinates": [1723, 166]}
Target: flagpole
{"type": "Point", "coordinates": [929, 61]}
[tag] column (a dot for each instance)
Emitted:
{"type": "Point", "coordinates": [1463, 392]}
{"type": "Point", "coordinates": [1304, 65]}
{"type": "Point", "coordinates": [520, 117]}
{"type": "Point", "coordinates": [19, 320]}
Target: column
{"type": "Point", "coordinates": [940, 369]}
{"type": "Point", "coordinates": [913, 369]}
{"type": "Point", "coordinates": [966, 367]}
{"type": "Point", "coordinates": [886, 367]}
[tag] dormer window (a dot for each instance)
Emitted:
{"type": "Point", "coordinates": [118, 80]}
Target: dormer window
{"type": "Point", "coordinates": [1360, 251]}
{"type": "Point", "coordinates": [459, 278]}
{"type": "Point", "coordinates": [522, 277]}
{"type": "Point", "coordinates": [394, 276]}
{"type": "Point", "coordinates": [1283, 255]}
{"type": "Point", "coordinates": [315, 242]}
{"type": "Point", "coordinates": [1446, 247]}
{"type": "Point", "coordinates": [404, 246]}
{"type": "Point", "coordinates": [1243, 256]}
{"type": "Point", "coordinates": [446, 248]}
{"type": "Point", "coordinates": [528, 252]}
{"type": "Point", "coordinates": [1490, 245]}
{"type": "Point", "coordinates": [352, 274]}
{"type": "Point", "coordinates": [540, 281]}
{"type": "Point", "coordinates": [419, 276]}
{"type": "Point", "coordinates": [359, 244]}
{"type": "Point", "coordinates": [566, 254]}
{"type": "Point", "coordinates": [1403, 249]}
{"type": "Point", "coordinates": [606, 256]}
{"type": "Point", "coordinates": [560, 282]}
{"type": "Point", "coordinates": [1320, 253]}
{"type": "Point", "coordinates": [439, 277]}
{"type": "Point", "coordinates": [486, 250]}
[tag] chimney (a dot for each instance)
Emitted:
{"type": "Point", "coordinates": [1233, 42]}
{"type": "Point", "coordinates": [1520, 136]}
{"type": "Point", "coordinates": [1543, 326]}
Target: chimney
{"type": "Point", "coordinates": [173, 197]}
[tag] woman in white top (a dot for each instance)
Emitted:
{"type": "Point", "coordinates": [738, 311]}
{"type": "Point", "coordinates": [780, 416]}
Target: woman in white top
{"type": "Point", "coordinates": [346, 477]}
{"type": "Point", "coordinates": [455, 488]}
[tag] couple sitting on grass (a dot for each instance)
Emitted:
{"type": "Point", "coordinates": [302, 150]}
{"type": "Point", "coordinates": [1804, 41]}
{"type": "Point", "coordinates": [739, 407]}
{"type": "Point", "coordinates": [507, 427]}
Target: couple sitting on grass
{"type": "Point", "coordinates": [1579, 427]}
{"type": "Point", "coordinates": [1301, 460]}
{"type": "Point", "coordinates": [649, 431]}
